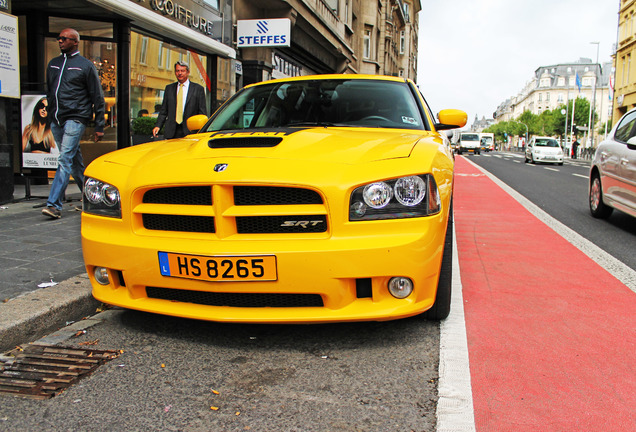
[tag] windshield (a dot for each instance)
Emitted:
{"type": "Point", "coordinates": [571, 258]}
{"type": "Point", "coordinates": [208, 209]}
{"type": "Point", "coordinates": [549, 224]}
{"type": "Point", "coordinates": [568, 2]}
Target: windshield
{"type": "Point", "coordinates": [330, 102]}
{"type": "Point", "coordinates": [547, 143]}
{"type": "Point", "coordinates": [470, 137]}
{"type": "Point", "coordinates": [487, 139]}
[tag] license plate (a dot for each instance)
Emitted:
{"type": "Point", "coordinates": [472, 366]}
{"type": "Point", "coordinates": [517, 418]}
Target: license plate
{"type": "Point", "coordinates": [218, 268]}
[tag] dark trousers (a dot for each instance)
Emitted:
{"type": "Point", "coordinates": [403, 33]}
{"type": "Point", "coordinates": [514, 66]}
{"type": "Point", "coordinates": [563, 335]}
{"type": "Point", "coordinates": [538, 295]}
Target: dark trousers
{"type": "Point", "coordinates": [178, 133]}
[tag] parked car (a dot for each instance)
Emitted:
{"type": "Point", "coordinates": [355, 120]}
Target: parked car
{"type": "Point", "coordinates": [545, 150]}
{"type": "Point", "coordinates": [469, 143]}
{"type": "Point", "coordinates": [612, 182]}
{"type": "Point", "coordinates": [310, 199]}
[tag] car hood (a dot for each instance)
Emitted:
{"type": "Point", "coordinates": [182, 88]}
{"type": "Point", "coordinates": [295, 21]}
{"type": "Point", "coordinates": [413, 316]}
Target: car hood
{"type": "Point", "coordinates": [333, 145]}
{"type": "Point", "coordinates": [316, 156]}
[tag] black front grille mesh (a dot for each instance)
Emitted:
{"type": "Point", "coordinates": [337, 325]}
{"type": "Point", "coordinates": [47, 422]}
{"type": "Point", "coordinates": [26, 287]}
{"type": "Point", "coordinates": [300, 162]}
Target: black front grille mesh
{"type": "Point", "coordinates": [199, 224]}
{"type": "Point", "coordinates": [189, 195]}
{"type": "Point", "coordinates": [273, 195]}
{"type": "Point", "coordinates": [247, 300]}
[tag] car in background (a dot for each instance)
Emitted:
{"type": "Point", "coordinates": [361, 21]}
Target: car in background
{"type": "Point", "coordinates": [544, 150]}
{"type": "Point", "coordinates": [487, 141]}
{"type": "Point", "coordinates": [312, 199]}
{"type": "Point", "coordinates": [612, 182]}
{"type": "Point", "coordinates": [469, 143]}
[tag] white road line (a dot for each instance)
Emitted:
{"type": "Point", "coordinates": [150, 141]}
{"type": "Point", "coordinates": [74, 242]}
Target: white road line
{"type": "Point", "coordinates": [551, 169]}
{"type": "Point", "coordinates": [516, 162]}
{"type": "Point", "coordinates": [455, 410]}
{"type": "Point", "coordinates": [580, 175]}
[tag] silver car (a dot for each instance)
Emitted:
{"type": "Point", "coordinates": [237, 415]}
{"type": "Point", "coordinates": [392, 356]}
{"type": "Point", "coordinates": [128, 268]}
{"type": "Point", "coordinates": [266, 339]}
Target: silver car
{"type": "Point", "coordinates": [613, 173]}
{"type": "Point", "coordinates": [544, 149]}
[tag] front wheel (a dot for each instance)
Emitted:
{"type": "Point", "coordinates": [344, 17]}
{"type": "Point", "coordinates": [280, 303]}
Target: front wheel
{"type": "Point", "coordinates": [598, 209]}
{"type": "Point", "coordinates": [441, 307]}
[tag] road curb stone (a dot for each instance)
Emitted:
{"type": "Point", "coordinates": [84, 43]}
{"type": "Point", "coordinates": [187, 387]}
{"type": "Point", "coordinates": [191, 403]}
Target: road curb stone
{"type": "Point", "coordinates": [30, 316]}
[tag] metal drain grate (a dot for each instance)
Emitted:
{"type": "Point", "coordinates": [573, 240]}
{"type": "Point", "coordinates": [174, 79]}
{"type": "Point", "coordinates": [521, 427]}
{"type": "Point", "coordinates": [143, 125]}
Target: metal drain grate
{"type": "Point", "coordinates": [42, 371]}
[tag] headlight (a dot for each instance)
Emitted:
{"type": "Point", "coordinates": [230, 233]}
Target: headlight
{"type": "Point", "coordinates": [405, 197]}
{"type": "Point", "coordinates": [101, 198]}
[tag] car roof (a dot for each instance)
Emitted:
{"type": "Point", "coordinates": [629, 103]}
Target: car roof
{"type": "Point", "coordinates": [333, 76]}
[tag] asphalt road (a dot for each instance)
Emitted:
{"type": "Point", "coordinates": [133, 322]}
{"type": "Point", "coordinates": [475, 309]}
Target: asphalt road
{"type": "Point", "coordinates": [561, 191]}
{"type": "Point", "coordinates": [340, 377]}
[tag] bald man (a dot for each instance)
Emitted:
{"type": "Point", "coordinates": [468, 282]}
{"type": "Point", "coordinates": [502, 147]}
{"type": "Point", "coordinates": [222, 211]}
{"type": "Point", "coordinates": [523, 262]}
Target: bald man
{"type": "Point", "coordinates": [74, 93]}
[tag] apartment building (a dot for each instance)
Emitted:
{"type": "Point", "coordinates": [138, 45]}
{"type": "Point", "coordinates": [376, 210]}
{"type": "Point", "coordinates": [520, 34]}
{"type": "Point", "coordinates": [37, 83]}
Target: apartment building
{"type": "Point", "coordinates": [625, 80]}
{"type": "Point", "coordinates": [553, 85]}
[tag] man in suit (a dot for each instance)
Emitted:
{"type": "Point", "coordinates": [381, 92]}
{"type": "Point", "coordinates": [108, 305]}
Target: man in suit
{"type": "Point", "coordinates": [191, 98]}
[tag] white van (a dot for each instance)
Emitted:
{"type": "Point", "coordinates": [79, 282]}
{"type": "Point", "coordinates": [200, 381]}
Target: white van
{"type": "Point", "coordinates": [469, 142]}
{"type": "Point", "coordinates": [487, 141]}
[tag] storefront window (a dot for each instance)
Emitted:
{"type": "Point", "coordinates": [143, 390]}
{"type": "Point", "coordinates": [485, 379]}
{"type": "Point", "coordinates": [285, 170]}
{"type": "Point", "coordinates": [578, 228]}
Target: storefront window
{"type": "Point", "coordinates": [152, 69]}
{"type": "Point", "coordinates": [97, 45]}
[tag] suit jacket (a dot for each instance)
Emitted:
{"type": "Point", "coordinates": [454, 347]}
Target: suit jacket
{"type": "Point", "coordinates": [195, 104]}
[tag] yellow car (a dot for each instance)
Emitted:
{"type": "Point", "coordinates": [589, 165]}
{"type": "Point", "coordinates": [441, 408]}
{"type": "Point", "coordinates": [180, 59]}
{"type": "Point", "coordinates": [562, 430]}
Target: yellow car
{"type": "Point", "coordinates": [304, 200]}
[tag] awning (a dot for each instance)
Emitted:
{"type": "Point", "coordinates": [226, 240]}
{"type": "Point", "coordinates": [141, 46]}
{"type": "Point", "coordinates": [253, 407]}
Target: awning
{"type": "Point", "coordinates": [146, 19]}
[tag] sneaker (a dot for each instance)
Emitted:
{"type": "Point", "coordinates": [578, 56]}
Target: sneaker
{"type": "Point", "coordinates": [52, 212]}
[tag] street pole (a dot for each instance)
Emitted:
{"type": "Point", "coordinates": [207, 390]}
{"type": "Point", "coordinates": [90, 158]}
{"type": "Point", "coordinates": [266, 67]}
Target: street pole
{"type": "Point", "coordinates": [592, 108]}
{"type": "Point", "coordinates": [565, 134]}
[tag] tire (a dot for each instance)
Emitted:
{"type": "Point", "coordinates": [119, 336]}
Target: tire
{"type": "Point", "coordinates": [532, 161]}
{"type": "Point", "coordinates": [598, 209]}
{"type": "Point", "coordinates": [441, 307]}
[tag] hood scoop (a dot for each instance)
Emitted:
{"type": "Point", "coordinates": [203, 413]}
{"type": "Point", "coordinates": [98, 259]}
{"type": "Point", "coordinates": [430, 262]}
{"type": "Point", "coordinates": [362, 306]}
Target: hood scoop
{"type": "Point", "coordinates": [244, 142]}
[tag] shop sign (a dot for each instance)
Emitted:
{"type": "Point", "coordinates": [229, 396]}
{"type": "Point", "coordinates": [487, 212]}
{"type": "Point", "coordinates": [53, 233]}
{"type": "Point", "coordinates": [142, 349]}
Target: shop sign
{"type": "Point", "coordinates": [9, 56]}
{"type": "Point", "coordinates": [238, 68]}
{"type": "Point", "coordinates": [264, 33]}
{"type": "Point", "coordinates": [283, 68]}
{"type": "Point", "coordinates": [188, 13]}
{"type": "Point", "coordinates": [4, 4]}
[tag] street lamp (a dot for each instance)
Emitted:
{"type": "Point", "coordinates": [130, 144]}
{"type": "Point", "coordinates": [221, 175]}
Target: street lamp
{"type": "Point", "coordinates": [593, 107]}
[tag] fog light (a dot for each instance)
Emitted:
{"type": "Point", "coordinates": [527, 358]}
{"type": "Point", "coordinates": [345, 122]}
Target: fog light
{"type": "Point", "coordinates": [101, 275]}
{"type": "Point", "coordinates": [400, 287]}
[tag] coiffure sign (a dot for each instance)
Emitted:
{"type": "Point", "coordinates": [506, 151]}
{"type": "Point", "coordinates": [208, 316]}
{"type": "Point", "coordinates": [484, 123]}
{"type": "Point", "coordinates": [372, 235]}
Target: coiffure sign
{"type": "Point", "coordinates": [188, 13]}
{"type": "Point", "coordinates": [263, 33]}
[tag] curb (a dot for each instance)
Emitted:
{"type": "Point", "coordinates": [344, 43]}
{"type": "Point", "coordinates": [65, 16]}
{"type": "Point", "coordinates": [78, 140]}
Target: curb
{"type": "Point", "coordinates": [35, 314]}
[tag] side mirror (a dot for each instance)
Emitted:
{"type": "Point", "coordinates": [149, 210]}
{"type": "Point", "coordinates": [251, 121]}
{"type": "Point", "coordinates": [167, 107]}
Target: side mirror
{"type": "Point", "coordinates": [195, 123]}
{"type": "Point", "coordinates": [450, 119]}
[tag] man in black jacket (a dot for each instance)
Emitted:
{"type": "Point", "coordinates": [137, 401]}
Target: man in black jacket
{"type": "Point", "coordinates": [181, 100]}
{"type": "Point", "coordinates": [74, 92]}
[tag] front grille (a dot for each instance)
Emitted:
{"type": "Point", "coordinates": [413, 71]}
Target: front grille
{"type": "Point", "coordinates": [268, 195]}
{"type": "Point", "coordinates": [188, 195]}
{"type": "Point", "coordinates": [247, 300]}
{"type": "Point", "coordinates": [227, 209]}
{"type": "Point", "coordinates": [281, 224]}
{"type": "Point", "coordinates": [200, 224]}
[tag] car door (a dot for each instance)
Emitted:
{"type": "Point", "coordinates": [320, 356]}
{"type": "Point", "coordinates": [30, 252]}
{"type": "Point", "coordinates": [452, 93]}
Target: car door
{"type": "Point", "coordinates": [628, 173]}
{"type": "Point", "coordinates": [618, 164]}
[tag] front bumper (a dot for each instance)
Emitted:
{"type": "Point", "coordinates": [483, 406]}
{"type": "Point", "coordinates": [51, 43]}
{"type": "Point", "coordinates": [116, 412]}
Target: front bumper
{"type": "Point", "coordinates": [349, 273]}
{"type": "Point", "coordinates": [548, 158]}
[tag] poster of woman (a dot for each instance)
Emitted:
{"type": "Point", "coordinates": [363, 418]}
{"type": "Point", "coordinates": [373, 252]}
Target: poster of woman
{"type": "Point", "coordinates": [38, 145]}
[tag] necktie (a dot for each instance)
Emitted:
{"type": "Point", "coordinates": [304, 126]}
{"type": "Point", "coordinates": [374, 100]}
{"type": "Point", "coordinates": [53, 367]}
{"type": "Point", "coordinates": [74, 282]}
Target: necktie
{"type": "Point", "coordinates": [179, 116]}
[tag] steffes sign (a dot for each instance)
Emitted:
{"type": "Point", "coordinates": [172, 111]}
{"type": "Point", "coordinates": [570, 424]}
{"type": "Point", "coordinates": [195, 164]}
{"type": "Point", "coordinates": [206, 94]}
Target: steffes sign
{"type": "Point", "coordinates": [188, 13]}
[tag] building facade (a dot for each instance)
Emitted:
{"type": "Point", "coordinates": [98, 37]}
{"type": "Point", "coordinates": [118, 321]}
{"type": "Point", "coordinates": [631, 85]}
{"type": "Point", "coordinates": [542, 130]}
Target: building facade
{"type": "Point", "coordinates": [552, 86]}
{"type": "Point", "coordinates": [625, 80]}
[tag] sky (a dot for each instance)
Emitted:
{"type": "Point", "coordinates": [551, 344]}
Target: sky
{"type": "Point", "coordinates": [475, 54]}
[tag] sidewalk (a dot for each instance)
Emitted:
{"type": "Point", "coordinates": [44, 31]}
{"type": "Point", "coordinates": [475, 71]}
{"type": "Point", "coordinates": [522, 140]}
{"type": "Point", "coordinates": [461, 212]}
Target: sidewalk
{"type": "Point", "coordinates": [38, 250]}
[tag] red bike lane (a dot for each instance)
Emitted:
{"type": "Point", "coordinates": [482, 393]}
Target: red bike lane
{"type": "Point", "coordinates": [551, 334]}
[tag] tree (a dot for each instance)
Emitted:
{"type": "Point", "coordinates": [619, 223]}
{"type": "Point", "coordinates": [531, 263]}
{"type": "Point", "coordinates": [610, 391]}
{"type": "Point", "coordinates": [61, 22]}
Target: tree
{"type": "Point", "coordinates": [601, 129]}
